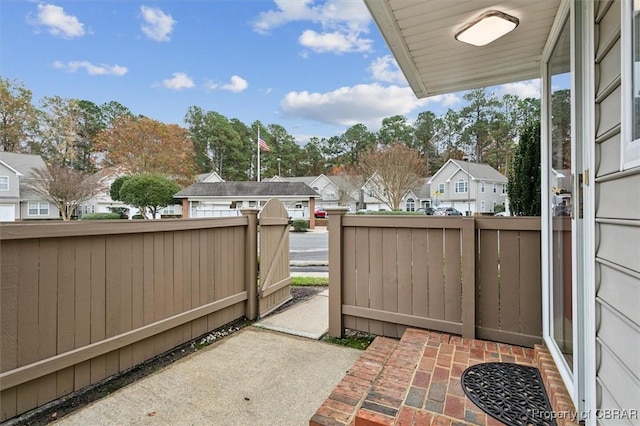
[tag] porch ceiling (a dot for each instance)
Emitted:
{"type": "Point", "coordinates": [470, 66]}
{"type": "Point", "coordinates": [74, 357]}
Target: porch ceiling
{"type": "Point", "coordinates": [420, 33]}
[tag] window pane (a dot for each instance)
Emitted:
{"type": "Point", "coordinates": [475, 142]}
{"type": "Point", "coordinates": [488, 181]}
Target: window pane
{"type": "Point", "coordinates": [560, 196]}
{"type": "Point", "coordinates": [4, 183]}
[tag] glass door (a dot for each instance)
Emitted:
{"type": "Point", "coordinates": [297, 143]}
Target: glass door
{"type": "Point", "coordinates": [560, 195]}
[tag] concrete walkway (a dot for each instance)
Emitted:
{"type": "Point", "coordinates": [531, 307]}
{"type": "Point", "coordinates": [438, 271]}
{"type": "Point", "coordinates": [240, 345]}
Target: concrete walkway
{"type": "Point", "coordinates": [254, 377]}
{"type": "Point", "coordinates": [306, 319]}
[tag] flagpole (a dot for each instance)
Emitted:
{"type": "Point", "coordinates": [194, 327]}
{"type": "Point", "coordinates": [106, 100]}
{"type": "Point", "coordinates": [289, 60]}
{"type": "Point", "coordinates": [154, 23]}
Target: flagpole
{"type": "Point", "coordinates": [258, 145]}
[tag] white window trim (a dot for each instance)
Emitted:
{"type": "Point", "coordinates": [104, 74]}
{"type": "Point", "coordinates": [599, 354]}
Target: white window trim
{"type": "Point", "coordinates": [7, 180]}
{"type": "Point", "coordinates": [410, 205]}
{"type": "Point", "coordinates": [464, 184]}
{"type": "Point", "coordinates": [441, 188]}
{"type": "Point", "coordinates": [630, 149]}
{"type": "Point", "coordinates": [38, 204]}
{"type": "Point", "coordinates": [495, 188]}
{"type": "Point", "coordinates": [482, 186]}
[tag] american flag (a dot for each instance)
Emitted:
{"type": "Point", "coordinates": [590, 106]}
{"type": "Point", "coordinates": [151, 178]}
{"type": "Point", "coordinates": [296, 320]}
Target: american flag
{"type": "Point", "coordinates": [263, 145]}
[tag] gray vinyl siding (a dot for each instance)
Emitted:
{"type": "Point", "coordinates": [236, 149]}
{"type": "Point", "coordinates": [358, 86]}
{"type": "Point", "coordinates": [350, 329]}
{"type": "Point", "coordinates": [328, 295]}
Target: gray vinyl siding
{"type": "Point", "coordinates": [617, 231]}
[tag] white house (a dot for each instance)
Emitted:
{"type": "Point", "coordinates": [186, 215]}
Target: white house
{"type": "Point", "coordinates": [590, 258]}
{"type": "Point", "coordinates": [102, 201]}
{"type": "Point", "coordinates": [17, 200]}
{"type": "Point", "coordinates": [468, 187]}
{"type": "Point", "coordinates": [219, 199]}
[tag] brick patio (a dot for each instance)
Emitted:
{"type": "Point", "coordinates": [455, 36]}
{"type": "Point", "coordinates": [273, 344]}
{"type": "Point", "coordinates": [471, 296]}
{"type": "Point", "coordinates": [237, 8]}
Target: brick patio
{"type": "Point", "coordinates": [416, 381]}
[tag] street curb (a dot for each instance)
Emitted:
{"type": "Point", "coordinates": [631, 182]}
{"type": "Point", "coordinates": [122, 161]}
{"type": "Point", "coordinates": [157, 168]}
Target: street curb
{"type": "Point", "coordinates": [308, 263]}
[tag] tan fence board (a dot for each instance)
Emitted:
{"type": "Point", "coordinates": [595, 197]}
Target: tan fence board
{"type": "Point", "coordinates": [509, 283]}
{"type": "Point", "coordinates": [530, 288]}
{"type": "Point", "coordinates": [405, 265]}
{"type": "Point", "coordinates": [48, 388]}
{"type": "Point", "coordinates": [27, 396]}
{"type": "Point", "coordinates": [453, 277]}
{"type": "Point", "coordinates": [350, 267]}
{"type": "Point", "coordinates": [66, 296]}
{"type": "Point", "coordinates": [8, 403]}
{"type": "Point", "coordinates": [487, 281]}
{"type": "Point", "coordinates": [46, 338]}
{"type": "Point", "coordinates": [420, 273]}
{"type": "Point", "coordinates": [137, 282]}
{"type": "Point", "coordinates": [9, 285]}
{"type": "Point", "coordinates": [375, 277]}
{"type": "Point", "coordinates": [27, 309]}
{"type": "Point", "coordinates": [390, 276]}
{"type": "Point", "coordinates": [362, 277]}
{"type": "Point", "coordinates": [82, 316]}
{"type": "Point", "coordinates": [436, 273]}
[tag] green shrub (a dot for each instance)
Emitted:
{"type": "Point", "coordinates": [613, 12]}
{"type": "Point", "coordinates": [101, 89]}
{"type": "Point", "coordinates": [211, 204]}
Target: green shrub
{"type": "Point", "coordinates": [300, 225]}
{"type": "Point", "coordinates": [100, 216]}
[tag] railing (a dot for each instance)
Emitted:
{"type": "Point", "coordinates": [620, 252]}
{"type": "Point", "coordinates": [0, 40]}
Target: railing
{"type": "Point", "coordinates": [82, 301]}
{"type": "Point", "coordinates": [478, 278]}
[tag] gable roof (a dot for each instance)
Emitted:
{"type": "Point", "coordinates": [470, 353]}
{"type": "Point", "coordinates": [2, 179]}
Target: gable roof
{"type": "Point", "coordinates": [21, 163]}
{"type": "Point", "coordinates": [477, 171]}
{"type": "Point", "coordinates": [247, 189]}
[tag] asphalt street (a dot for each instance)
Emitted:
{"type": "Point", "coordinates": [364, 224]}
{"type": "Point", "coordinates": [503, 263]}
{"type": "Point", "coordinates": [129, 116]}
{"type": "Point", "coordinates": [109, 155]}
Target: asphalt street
{"type": "Point", "coordinates": [309, 248]}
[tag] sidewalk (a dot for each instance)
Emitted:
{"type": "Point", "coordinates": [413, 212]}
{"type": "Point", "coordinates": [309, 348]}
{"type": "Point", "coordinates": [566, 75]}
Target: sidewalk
{"type": "Point", "coordinates": [254, 377]}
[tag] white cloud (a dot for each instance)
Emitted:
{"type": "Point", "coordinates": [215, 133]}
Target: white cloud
{"type": "Point", "coordinates": [237, 84]}
{"type": "Point", "coordinates": [57, 22]}
{"type": "Point", "coordinates": [157, 24]}
{"type": "Point", "coordinates": [447, 100]}
{"type": "Point", "coordinates": [342, 24]}
{"type": "Point", "coordinates": [335, 42]}
{"type": "Point", "coordinates": [386, 69]}
{"type": "Point", "coordinates": [367, 104]}
{"type": "Point", "coordinates": [522, 89]}
{"type": "Point", "coordinates": [90, 68]}
{"type": "Point", "coordinates": [179, 81]}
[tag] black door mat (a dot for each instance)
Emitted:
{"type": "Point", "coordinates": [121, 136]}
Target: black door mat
{"type": "Point", "coordinates": [511, 393]}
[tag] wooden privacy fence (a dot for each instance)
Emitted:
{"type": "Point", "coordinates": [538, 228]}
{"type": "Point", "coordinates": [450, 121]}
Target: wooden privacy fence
{"type": "Point", "coordinates": [85, 300]}
{"type": "Point", "coordinates": [477, 277]}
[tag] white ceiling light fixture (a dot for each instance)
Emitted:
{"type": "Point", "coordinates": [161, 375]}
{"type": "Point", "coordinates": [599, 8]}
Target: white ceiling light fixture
{"type": "Point", "coordinates": [487, 27]}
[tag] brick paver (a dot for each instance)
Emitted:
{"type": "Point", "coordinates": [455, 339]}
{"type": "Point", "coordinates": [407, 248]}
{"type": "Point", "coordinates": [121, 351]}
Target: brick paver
{"type": "Point", "coordinates": [416, 381]}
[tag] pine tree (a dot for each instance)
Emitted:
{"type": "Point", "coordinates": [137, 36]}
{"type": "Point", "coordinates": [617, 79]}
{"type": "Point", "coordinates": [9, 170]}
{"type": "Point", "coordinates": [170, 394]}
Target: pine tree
{"type": "Point", "coordinates": [524, 185]}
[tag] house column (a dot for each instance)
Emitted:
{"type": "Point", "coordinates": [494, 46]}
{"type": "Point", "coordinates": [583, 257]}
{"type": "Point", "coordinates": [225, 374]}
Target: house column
{"type": "Point", "coordinates": [185, 208]}
{"type": "Point", "coordinates": [312, 210]}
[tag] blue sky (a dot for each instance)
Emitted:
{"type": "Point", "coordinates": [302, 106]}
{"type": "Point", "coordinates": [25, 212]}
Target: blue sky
{"type": "Point", "coordinates": [314, 67]}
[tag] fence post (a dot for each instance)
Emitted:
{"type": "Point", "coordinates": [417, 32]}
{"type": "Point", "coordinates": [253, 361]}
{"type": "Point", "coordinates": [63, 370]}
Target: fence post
{"type": "Point", "coordinates": [468, 278]}
{"type": "Point", "coordinates": [335, 214]}
{"type": "Point", "coordinates": [251, 261]}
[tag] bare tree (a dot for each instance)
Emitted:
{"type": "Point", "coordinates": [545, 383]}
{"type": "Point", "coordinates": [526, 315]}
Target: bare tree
{"type": "Point", "coordinates": [392, 170]}
{"type": "Point", "coordinates": [63, 186]}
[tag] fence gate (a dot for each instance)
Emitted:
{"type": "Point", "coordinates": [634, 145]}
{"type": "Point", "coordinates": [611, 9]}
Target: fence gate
{"type": "Point", "coordinates": [275, 276]}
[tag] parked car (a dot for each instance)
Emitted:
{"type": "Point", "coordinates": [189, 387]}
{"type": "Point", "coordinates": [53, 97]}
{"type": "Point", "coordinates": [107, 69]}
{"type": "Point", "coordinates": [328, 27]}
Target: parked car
{"type": "Point", "coordinates": [447, 211]}
{"type": "Point", "coordinates": [426, 210]}
{"type": "Point", "coordinates": [320, 214]}
{"type": "Point", "coordinates": [501, 214]}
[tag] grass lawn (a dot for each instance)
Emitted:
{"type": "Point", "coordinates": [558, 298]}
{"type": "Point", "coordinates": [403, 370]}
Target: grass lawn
{"type": "Point", "coordinates": [309, 281]}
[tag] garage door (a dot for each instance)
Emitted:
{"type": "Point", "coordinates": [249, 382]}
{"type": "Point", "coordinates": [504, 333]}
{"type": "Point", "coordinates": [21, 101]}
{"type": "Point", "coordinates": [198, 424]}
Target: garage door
{"type": "Point", "coordinates": [7, 213]}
